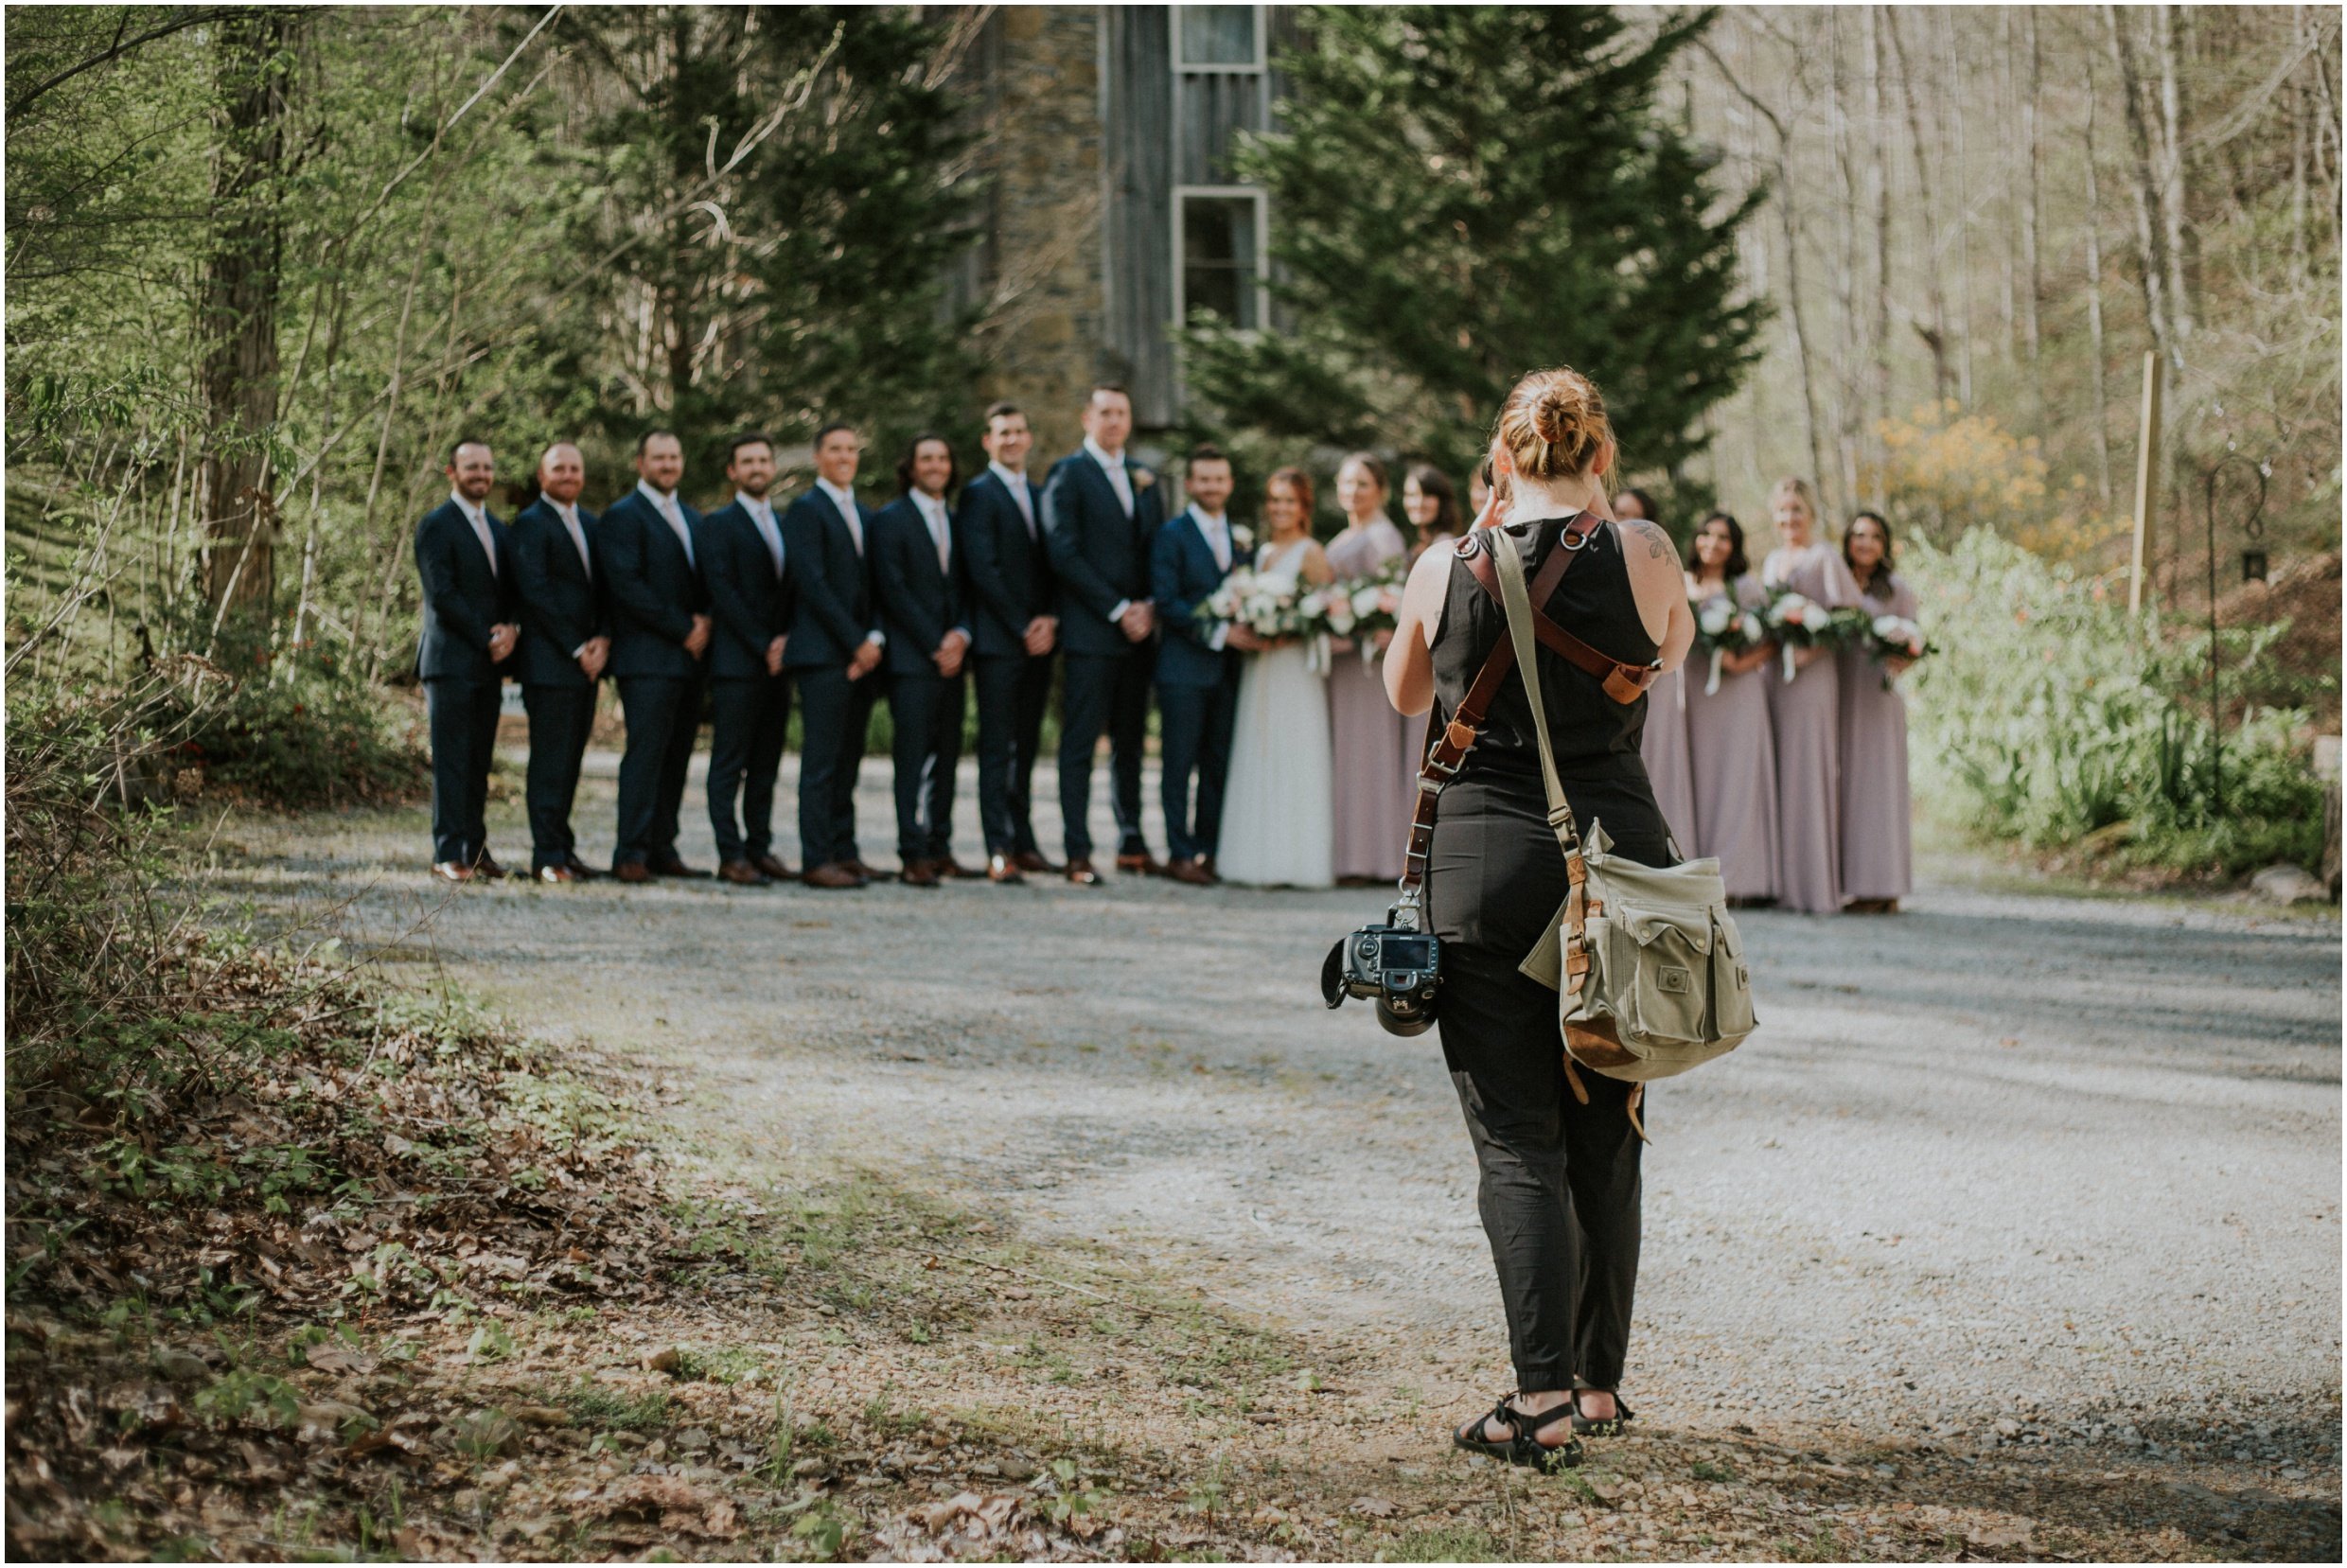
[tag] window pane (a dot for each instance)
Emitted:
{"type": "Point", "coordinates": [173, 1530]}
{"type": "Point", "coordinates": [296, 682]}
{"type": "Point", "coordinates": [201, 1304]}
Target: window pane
{"type": "Point", "coordinates": [1218, 257]}
{"type": "Point", "coordinates": [1218, 35]}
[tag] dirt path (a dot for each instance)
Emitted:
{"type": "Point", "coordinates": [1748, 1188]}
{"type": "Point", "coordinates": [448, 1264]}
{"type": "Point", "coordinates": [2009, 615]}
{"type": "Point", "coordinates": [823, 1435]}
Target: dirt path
{"type": "Point", "coordinates": [2011, 1177]}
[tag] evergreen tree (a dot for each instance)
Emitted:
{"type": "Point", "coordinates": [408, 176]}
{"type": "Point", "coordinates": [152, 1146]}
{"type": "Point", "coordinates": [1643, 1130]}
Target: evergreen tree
{"type": "Point", "coordinates": [1460, 195]}
{"type": "Point", "coordinates": [779, 196]}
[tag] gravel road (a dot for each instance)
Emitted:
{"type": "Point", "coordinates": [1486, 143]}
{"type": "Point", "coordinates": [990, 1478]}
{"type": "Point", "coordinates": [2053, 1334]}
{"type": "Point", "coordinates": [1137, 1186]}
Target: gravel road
{"type": "Point", "coordinates": [2009, 1168]}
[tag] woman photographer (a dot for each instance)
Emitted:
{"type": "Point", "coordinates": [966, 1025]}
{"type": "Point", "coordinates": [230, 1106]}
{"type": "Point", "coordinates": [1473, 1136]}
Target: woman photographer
{"type": "Point", "coordinates": [1559, 1184]}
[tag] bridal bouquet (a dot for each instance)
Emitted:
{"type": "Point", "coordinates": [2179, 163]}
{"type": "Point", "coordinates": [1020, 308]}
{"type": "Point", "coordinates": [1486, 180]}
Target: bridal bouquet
{"type": "Point", "coordinates": [1273, 607]}
{"type": "Point", "coordinates": [1796, 621]}
{"type": "Point", "coordinates": [1886, 637]}
{"type": "Point", "coordinates": [1353, 607]}
{"type": "Point", "coordinates": [1721, 628]}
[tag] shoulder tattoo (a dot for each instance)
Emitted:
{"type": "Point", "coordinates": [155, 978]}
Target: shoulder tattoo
{"type": "Point", "coordinates": [1657, 542]}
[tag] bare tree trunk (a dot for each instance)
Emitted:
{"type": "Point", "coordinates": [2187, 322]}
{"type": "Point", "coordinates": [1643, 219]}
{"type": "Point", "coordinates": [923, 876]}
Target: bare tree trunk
{"type": "Point", "coordinates": [2094, 300]}
{"type": "Point", "coordinates": [2297, 161]}
{"type": "Point", "coordinates": [1938, 335]}
{"type": "Point", "coordinates": [1851, 344]}
{"type": "Point", "coordinates": [2032, 279]}
{"type": "Point", "coordinates": [2009, 263]}
{"type": "Point", "coordinates": [2183, 248]}
{"type": "Point", "coordinates": [1879, 183]}
{"type": "Point", "coordinates": [2150, 232]}
{"type": "Point", "coordinates": [1964, 215]}
{"type": "Point", "coordinates": [238, 316]}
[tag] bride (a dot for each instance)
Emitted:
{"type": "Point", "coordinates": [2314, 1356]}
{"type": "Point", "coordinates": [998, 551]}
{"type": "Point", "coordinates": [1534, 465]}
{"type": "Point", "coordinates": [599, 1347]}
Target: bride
{"type": "Point", "coordinates": [1279, 823]}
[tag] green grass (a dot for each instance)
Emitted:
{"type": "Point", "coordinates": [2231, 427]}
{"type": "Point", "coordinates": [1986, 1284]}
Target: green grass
{"type": "Point", "coordinates": [1447, 1543]}
{"type": "Point", "coordinates": [598, 1405]}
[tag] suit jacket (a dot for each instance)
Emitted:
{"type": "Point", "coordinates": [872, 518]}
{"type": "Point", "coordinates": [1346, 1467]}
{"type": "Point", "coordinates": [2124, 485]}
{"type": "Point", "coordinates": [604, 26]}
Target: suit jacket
{"type": "Point", "coordinates": [1182, 575]}
{"type": "Point", "coordinates": [560, 604]}
{"type": "Point", "coordinates": [1097, 554]}
{"type": "Point", "coordinates": [831, 614]}
{"type": "Point", "coordinates": [1008, 574]}
{"type": "Point", "coordinates": [750, 600]}
{"type": "Point", "coordinates": [463, 595]}
{"type": "Point", "coordinates": [652, 589]}
{"type": "Point", "coordinates": [919, 602]}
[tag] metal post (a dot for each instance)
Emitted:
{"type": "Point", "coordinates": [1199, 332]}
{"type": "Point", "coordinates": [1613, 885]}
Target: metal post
{"type": "Point", "coordinates": [2147, 467]}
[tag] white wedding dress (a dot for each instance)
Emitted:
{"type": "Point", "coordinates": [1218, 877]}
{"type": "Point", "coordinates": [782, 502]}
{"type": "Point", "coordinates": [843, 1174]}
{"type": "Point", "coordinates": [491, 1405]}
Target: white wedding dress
{"type": "Point", "coordinates": [1279, 807]}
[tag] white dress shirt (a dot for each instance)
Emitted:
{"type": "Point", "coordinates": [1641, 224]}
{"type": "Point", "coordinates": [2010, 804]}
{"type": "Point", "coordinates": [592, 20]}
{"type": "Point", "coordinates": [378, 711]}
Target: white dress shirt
{"type": "Point", "coordinates": [932, 510]}
{"type": "Point", "coordinates": [479, 517]}
{"type": "Point", "coordinates": [1216, 527]}
{"type": "Point", "coordinates": [1016, 485]}
{"type": "Point", "coordinates": [762, 515]}
{"type": "Point", "coordinates": [665, 501]}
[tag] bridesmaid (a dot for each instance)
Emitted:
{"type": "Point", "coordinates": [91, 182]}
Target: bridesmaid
{"type": "Point", "coordinates": [1805, 710]}
{"type": "Point", "coordinates": [1664, 742]}
{"type": "Point", "coordinates": [1432, 507]}
{"type": "Point", "coordinates": [1372, 795]}
{"type": "Point", "coordinates": [1877, 864]}
{"type": "Point", "coordinates": [1730, 750]}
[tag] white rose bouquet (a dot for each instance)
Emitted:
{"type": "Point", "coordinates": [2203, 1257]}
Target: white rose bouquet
{"type": "Point", "coordinates": [1796, 621]}
{"type": "Point", "coordinates": [1356, 608]}
{"type": "Point", "coordinates": [1722, 628]}
{"type": "Point", "coordinates": [1272, 608]}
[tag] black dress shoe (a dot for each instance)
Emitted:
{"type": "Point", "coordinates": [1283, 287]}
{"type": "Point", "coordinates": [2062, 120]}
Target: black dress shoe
{"type": "Point", "coordinates": [580, 871]}
{"type": "Point", "coordinates": [773, 866]}
{"type": "Point", "coordinates": [671, 864]}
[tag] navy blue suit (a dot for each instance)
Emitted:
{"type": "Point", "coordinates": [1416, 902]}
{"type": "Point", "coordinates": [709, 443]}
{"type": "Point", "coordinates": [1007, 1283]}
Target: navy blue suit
{"type": "Point", "coordinates": [1197, 688]}
{"type": "Point", "coordinates": [560, 606]}
{"type": "Point", "coordinates": [832, 616]}
{"type": "Point", "coordinates": [749, 706]}
{"type": "Point", "coordinates": [1009, 576]}
{"type": "Point", "coordinates": [652, 586]}
{"type": "Point", "coordinates": [920, 602]}
{"type": "Point", "coordinates": [465, 593]}
{"type": "Point", "coordinates": [1101, 559]}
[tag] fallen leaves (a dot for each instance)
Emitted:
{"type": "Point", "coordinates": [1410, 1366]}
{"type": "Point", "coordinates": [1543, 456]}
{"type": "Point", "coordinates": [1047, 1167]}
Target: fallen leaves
{"type": "Point", "coordinates": [669, 1502]}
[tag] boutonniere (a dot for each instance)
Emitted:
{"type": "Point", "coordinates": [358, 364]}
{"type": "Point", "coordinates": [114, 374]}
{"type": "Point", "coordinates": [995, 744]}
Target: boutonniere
{"type": "Point", "coordinates": [1142, 478]}
{"type": "Point", "coordinates": [1242, 536]}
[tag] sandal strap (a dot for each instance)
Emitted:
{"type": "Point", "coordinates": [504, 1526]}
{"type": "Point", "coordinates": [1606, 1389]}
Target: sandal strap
{"type": "Point", "coordinates": [1530, 1425]}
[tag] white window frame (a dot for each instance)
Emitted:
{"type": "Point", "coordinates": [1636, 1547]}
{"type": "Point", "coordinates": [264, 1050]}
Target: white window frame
{"type": "Point", "coordinates": [1262, 47]}
{"type": "Point", "coordinates": [1262, 198]}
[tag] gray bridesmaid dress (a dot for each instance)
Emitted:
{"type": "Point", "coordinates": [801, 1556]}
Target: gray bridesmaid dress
{"type": "Point", "coordinates": [1372, 742]}
{"type": "Point", "coordinates": [1876, 857]}
{"type": "Point", "coordinates": [1806, 712]}
{"type": "Point", "coordinates": [1663, 745]}
{"type": "Point", "coordinates": [1732, 759]}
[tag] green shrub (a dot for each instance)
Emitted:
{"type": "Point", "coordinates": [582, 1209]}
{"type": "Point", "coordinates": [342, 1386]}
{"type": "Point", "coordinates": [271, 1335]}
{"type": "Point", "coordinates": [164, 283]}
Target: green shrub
{"type": "Point", "coordinates": [2050, 716]}
{"type": "Point", "coordinates": [307, 731]}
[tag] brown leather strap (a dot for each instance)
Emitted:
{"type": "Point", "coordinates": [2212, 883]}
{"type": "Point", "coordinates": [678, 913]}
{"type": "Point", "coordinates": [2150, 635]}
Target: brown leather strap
{"type": "Point", "coordinates": [1624, 683]}
{"type": "Point", "coordinates": [1451, 743]}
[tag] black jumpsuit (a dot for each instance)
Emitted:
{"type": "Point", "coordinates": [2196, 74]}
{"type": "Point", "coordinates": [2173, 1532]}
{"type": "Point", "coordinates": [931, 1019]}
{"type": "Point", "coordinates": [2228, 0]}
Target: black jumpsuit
{"type": "Point", "coordinates": [1559, 1180]}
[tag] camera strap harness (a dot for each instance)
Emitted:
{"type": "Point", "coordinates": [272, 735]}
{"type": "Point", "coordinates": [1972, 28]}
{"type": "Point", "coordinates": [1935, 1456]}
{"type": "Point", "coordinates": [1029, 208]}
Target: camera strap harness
{"type": "Point", "coordinates": [1624, 683]}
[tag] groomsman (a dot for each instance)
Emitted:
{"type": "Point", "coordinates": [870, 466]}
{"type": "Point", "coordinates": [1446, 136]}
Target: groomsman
{"type": "Point", "coordinates": [564, 648]}
{"type": "Point", "coordinates": [834, 654]}
{"type": "Point", "coordinates": [660, 630]}
{"type": "Point", "coordinates": [916, 585]}
{"type": "Point", "coordinates": [744, 566]}
{"type": "Point", "coordinates": [468, 632]}
{"type": "Point", "coordinates": [1197, 669]}
{"type": "Point", "coordinates": [998, 530]}
{"type": "Point", "coordinates": [1100, 513]}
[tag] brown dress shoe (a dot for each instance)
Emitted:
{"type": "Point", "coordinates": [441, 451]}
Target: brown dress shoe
{"type": "Point", "coordinates": [743, 874]}
{"type": "Point", "coordinates": [1192, 872]}
{"type": "Point", "coordinates": [452, 871]}
{"type": "Point", "coordinates": [861, 869]}
{"type": "Point", "coordinates": [998, 869]}
{"type": "Point", "coordinates": [580, 871]}
{"type": "Point", "coordinates": [556, 873]}
{"type": "Point", "coordinates": [1080, 871]}
{"type": "Point", "coordinates": [1032, 860]}
{"type": "Point", "coordinates": [919, 873]}
{"type": "Point", "coordinates": [486, 868]}
{"type": "Point", "coordinates": [947, 866]}
{"type": "Point", "coordinates": [832, 874]}
{"type": "Point", "coordinates": [1144, 863]}
{"type": "Point", "coordinates": [773, 866]}
{"type": "Point", "coordinates": [632, 871]}
{"type": "Point", "coordinates": [672, 864]}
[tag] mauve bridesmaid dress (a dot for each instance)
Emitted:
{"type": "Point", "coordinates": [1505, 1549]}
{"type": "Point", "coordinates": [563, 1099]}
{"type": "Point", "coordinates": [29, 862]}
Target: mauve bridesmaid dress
{"type": "Point", "coordinates": [1876, 857]}
{"type": "Point", "coordinates": [1373, 794]}
{"type": "Point", "coordinates": [1806, 712]}
{"type": "Point", "coordinates": [1663, 745]}
{"type": "Point", "coordinates": [1732, 757]}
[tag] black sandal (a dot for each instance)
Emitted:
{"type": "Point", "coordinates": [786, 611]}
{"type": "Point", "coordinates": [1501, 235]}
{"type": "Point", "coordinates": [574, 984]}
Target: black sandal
{"type": "Point", "coordinates": [1610, 1426]}
{"type": "Point", "coordinates": [1525, 1447]}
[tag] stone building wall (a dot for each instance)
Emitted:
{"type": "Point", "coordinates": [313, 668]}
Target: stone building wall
{"type": "Point", "coordinates": [1038, 80]}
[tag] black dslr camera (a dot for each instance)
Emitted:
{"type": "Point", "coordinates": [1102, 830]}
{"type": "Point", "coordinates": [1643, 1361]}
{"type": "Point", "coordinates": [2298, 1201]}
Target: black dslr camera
{"type": "Point", "coordinates": [1396, 964]}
